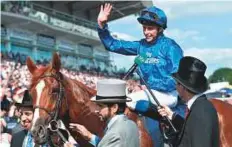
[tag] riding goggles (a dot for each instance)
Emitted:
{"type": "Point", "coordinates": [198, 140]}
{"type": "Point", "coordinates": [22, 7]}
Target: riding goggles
{"type": "Point", "coordinates": [150, 14]}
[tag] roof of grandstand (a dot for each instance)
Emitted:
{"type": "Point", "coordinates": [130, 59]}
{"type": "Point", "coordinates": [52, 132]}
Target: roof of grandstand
{"type": "Point", "coordinates": [89, 9]}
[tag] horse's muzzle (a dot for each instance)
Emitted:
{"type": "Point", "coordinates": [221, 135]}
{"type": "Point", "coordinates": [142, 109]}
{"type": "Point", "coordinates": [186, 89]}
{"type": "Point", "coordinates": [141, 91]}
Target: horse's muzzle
{"type": "Point", "coordinates": [40, 132]}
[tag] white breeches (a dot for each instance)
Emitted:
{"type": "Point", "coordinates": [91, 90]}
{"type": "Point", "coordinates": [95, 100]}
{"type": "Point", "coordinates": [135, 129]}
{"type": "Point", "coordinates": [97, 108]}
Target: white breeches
{"type": "Point", "coordinates": [169, 99]}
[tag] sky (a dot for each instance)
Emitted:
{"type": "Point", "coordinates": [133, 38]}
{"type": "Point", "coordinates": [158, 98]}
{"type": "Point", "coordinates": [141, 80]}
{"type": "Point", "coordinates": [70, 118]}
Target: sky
{"type": "Point", "coordinates": [202, 29]}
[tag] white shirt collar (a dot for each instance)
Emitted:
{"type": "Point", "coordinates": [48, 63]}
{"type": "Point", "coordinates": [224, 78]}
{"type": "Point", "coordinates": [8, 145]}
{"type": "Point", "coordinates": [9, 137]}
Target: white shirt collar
{"type": "Point", "coordinates": [192, 100]}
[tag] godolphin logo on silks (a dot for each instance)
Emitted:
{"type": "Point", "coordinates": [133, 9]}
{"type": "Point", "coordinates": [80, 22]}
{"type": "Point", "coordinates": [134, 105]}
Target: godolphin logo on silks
{"type": "Point", "coordinates": [140, 59]}
{"type": "Point", "coordinates": [146, 58]}
{"type": "Point", "coordinates": [152, 60]}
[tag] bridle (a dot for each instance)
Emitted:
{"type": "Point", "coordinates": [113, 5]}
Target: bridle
{"type": "Point", "coordinates": [53, 124]}
{"type": "Point", "coordinates": [54, 114]}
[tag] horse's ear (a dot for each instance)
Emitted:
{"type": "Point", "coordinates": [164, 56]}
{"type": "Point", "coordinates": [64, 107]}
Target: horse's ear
{"type": "Point", "coordinates": [31, 65]}
{"type": "Point", "coordinates": [56, 63]}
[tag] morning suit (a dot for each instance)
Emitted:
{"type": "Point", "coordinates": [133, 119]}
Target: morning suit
{"type": "Point", "coordinates": [200, 128]}
{"type": "Point", "coordinates": [122, 133]}
{"type": "Point", "coordinates": [18, 138]}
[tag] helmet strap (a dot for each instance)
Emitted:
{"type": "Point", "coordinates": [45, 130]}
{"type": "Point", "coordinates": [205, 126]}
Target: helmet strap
{"type": "Point", "coordinates": [161, 30]}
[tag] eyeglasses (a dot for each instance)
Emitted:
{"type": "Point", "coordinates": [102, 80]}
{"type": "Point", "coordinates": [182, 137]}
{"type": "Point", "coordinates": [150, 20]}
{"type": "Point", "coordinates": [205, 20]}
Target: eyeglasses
{"type": "Point", "coordinates": [152, 15]}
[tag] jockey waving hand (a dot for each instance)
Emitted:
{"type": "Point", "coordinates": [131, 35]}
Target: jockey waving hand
{"type": "Point", "coordinates": [162, 59]}
{"type": "Point", "coordinates": [162, 54]}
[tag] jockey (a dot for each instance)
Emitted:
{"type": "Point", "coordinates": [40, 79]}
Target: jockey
{"type": "Point", "coordinates": [163, 56]}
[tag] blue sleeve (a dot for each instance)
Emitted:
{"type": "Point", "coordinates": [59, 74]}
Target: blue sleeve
{"type": "Point", "coordinates": [94, 140]}
{"type": "Point", "coordinates": [173, 55]}
{"type": "Point", "coordinates": [115, 45]}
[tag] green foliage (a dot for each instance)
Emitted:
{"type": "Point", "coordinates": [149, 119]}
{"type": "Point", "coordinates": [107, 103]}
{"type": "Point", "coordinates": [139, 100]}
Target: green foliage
{"type": "Point", "coordinates": [221, 75]}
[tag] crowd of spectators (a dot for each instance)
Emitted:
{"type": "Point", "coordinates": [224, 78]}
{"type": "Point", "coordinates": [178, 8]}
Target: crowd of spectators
{"type": "Point", "coordinates": [15, 79]}
{"type": "Point", "coordinates": [15, 7]}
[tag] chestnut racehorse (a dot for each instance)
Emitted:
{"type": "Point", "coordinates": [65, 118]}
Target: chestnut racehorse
{"type": "Point", "coordinates": [57, 97]}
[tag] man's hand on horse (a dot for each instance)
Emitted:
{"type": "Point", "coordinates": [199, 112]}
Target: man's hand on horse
{"type": "Point", "coordinates": [82, 130]}
{"type": "Point", "coordinates": [165, 111]}
{"type": "Point", "coordinates": [104, 14]}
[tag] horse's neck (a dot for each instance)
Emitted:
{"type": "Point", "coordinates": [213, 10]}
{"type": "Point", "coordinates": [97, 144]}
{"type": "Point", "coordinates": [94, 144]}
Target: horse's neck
{"type": "Point", "coordinates": [133, 116]}
{"type": "Point", "coordinates": [91, 92]}
{"type": "Point", "coordinates": [81, 109]}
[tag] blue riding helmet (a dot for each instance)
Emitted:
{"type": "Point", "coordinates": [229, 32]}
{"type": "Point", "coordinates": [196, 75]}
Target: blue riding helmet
{"type": "Point", "coordinates": [153, 16]}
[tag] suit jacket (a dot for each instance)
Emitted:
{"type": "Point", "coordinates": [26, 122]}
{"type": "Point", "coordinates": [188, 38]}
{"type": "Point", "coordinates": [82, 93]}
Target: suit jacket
{"type": "Point", "coordinates": [201, 127]}
{"type": "Point", "coordinates": [18, 138]}
{"type": "Point", "coordinates": [122, 133]}
{"type": "Point", "coordinates": [17, 129]}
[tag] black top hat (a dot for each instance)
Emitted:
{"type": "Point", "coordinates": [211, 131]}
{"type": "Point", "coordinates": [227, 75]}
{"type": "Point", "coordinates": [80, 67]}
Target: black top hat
{"type": "Point", "coordinates": [191, 74]}
{"type": "Point", "coordinates": [27, 100]}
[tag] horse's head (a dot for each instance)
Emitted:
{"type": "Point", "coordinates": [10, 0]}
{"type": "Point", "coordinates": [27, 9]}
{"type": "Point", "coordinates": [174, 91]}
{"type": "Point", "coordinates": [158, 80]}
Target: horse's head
{"type": "Point", "coordinates": [48, 95]}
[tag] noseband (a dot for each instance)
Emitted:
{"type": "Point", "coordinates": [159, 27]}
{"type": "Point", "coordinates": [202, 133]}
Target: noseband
{"type": "Point", "coordinates": [53, 124]}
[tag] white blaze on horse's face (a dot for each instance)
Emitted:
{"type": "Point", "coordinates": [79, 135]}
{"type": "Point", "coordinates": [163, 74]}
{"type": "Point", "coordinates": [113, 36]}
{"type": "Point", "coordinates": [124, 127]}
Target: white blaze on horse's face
{"type": "Point", "coordinates": [39, 88]}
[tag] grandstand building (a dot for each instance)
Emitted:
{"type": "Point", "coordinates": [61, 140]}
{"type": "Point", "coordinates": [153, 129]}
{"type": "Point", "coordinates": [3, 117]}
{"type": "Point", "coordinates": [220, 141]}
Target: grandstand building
{"type": "Point", "coordinates": [38, 28]}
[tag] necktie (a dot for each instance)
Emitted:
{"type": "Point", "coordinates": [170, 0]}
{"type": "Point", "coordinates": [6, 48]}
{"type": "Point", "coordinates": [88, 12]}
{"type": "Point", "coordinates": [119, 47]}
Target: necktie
{"type": "Point", "coordinates": [186, 112]}
{"type": "Point", "coordinates": [29, 140]}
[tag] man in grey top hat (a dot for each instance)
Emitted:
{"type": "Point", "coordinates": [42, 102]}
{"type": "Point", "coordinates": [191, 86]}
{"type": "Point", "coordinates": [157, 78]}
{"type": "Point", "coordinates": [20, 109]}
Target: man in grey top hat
{"type": "Point", "coordinates": [119, 131]}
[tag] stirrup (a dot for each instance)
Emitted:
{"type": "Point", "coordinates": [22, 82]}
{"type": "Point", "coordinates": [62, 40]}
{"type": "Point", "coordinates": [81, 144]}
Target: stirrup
{"type": "Point", "coordinates": [168, 134]}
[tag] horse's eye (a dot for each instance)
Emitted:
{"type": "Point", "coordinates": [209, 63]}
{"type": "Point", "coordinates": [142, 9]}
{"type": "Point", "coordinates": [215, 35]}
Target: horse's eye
{"type": "Point", "coordinates": [55, 90]}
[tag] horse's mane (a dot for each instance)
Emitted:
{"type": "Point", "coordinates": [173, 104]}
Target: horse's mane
{"type": "Point", "coordinates": [82, 86]}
